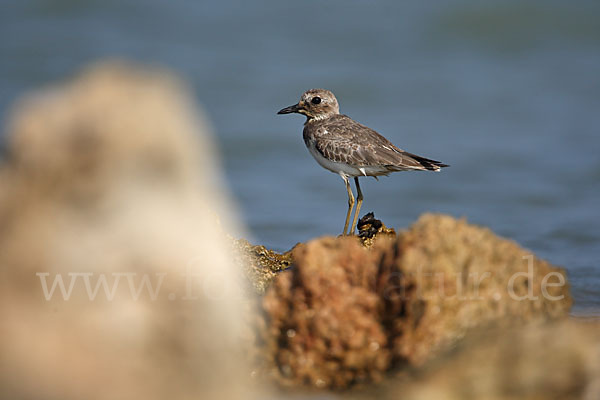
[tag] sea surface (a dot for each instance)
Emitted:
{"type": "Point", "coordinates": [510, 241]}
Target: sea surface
{"type": "Point", "coordinates": [507, 92]}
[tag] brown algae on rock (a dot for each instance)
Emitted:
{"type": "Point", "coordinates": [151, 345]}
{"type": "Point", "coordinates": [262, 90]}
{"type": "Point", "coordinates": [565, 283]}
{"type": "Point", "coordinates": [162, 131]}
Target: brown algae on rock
{"type": "Point", "coordinates": [260, 264]}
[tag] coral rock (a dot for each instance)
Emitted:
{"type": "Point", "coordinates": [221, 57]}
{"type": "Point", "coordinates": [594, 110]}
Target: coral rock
{"type": "Point", "coordinates": [344, 314]}
{"type": "Point", "coordinates": [543, 361]}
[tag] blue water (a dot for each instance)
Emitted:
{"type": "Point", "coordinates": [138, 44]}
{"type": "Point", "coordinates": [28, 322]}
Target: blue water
{"type": "Point", "coordinates": [507, 92]}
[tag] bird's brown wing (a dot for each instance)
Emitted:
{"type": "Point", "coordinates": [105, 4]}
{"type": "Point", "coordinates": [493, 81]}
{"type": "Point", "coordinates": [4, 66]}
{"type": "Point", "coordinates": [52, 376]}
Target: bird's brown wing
{"type": "Point", "coordinates": [341, 139]}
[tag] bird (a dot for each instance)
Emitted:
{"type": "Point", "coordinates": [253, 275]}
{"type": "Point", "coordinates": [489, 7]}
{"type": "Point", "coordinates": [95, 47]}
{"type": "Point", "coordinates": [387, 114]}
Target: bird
{"type": "Point", "coordinates": [350, 149]}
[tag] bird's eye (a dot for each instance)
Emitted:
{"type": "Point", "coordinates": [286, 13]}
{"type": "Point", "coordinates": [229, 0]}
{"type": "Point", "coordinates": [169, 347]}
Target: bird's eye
{"type": "Point", "coordinates": [316, 100]}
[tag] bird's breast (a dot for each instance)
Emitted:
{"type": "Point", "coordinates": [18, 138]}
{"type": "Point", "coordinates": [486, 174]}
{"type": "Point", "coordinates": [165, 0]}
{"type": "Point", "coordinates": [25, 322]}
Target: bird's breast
{"type": "Point", "coordinates": [333, 166]}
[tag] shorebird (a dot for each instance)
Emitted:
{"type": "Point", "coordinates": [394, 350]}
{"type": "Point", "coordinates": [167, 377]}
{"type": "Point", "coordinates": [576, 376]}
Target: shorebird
{"type": "Point", "coordinates": [350, 149]}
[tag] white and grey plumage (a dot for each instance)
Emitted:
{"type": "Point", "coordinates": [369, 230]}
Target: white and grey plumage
{"type": "Point", "coordinates": [348, 148]}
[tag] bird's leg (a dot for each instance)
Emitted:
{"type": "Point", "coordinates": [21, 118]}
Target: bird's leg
{"type": "Point", "coordinates": [359, 199]}
{"type": "Point", "coordinates": [350, 203]}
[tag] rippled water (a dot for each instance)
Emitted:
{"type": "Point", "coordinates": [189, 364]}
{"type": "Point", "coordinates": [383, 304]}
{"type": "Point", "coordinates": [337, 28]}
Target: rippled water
{"type": "Point", "coordinates": [507, 92]}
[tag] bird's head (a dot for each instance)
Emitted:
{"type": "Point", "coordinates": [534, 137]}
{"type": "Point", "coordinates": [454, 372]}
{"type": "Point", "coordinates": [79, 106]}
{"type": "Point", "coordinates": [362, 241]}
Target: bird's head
{"type": "Point", "coordinates": [316, 104]}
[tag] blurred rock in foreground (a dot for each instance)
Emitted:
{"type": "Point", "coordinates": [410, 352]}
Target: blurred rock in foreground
{"type": "Point", "coordinates": [344, 314]}
{"type": "Point", "coordinates": [544, 361]}
{"type": "Point", "coordinates": [108, 185]}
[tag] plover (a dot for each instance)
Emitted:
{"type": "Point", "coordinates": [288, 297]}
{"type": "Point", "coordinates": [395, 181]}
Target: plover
{"type": "Point", "coordinates": [350, 149]}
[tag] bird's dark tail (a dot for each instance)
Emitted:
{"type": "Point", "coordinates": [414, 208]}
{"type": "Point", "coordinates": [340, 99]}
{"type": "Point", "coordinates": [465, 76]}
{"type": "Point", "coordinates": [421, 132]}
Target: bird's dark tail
{"type": "Point", "coordinates": [427, 163]}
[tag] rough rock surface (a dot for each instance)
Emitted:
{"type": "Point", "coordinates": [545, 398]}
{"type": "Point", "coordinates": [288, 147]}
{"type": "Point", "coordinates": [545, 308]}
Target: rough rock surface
{"type": "Point", "coordinates": [262, 265]}
{"type": "Point", "coordinates": [112, 176]}
{"type": "Point", "coordinates": [344, 314]}
{"type": "Point", "coordinates": [544, 361]}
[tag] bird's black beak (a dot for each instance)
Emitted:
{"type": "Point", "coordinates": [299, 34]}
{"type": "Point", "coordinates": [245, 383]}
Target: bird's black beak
{"type": "Point", "coordinates": [289, 110]}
